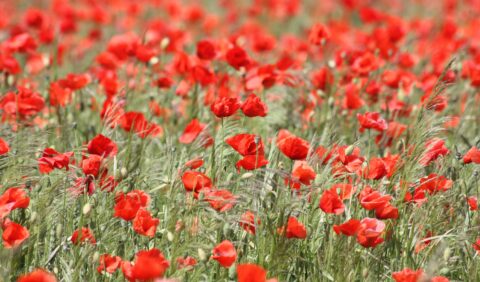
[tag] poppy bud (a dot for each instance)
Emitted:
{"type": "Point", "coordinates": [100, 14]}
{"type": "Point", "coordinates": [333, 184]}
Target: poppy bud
{"type": "Point", "coordinates": [446, 254]}
{"type": "Point", "coordinates": [123, 172]}
{"type": "Point", "coordinates": [170, 236]}
{"type": "Point", "coordinates": [201, 254]}
{"type": "Point", "coordinates": [96, 256]}
{"type": "Point", "coordinates": [87, 208]}
{"type": "Point", "coordinates": [164, 43]}
{"type": "Point", "coordinates": [58, 230]}
{"type": "Point", "coordinates": [33, 217]}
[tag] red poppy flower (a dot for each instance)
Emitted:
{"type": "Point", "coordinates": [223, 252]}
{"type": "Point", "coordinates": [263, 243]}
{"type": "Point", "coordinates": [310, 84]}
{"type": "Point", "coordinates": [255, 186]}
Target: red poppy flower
{"type": "Point", "coordinates": [439, 279]}
{"type": "Point", "coordinates": [85, 235]}
{"type": "Point", "coordinates": [52, 159]}
{"type": "Point", "coordinates": [144, 224]}
{"type": "Point", "coordinates": [408, 275]}
{"type": "Point", "coordinates": [473, 203]}
{"type": "Point", "coordinates": [38, 275]}
{"type": "Point", "coordinates": [59, 96]}
{"type": "Point", "coordinates": [102, 146]}
{"type": "Point", "coordinates": [371, 199]}
{"type": "Point", "coordinates": [344, 190]}
{"type": "Point", "coordinates": [75, 81]}
{"type": "Point", "coordinates": [192, 131]}
{"type": "Point", "coordinates": [371, 120]}
{"type": "Point", "coordinates": [330, 202]}
{"type": "Point", "coordinates": [13, 234]}
{"type": "Point", "coordinates": [319, 33]}
{"type": "Point", "coordinates": [148, 265]}
{"type": "Point", "coordinates": [195, 181]}
{"type": "Point", "coordinates": [295, 229]}
{"type": "Point", "coordinates": [376, 169]}
{"type": "Point", "coordinates": [254, 107]}
{"type": "Point", "coordinates": [225, 253]}
{"type": "Point", "coordinates": [302, 174]}
{"type": "Point", "coordinates": [251, 162]}
{"type": "Point", "coordinates": [206, 50]}
{"type": "Point", "coordinates": [476, 245]}
{"type": "Point", "coordinates": [127, 205]}
{"type": "Point", "coordinates": [434, 149]}
{"type": "Point", "coordinates": [92, 165]}
{"type": "Point", "coordinates": [292, 146]}
{"type": "Point", "coordinates": [187, 262]}
{"type": "Point", "coordinates": [435, 183]}
{"type": "Point", "coordinates": [11, 199]}
{"type": "Point", "coordinates": [472, 156]}
{"type": "Point", "coordinates": [220, 200]}
{"type": "Point", "coordinates": [348, 228]}
{"type": "Point", "coordinates": [26, 103]}
{"type": "Point", "coordinates": [109, 263]}
{"type": "Point", "coordinates": [225, 107]}
{"type": "Point", "coordinates": [246, 144]}
{"type": "Point", "coordinates": [237, 57]}
{"type": "Point", "coordinates": [248, 222]}
{"type": "Point", "coordinates": [194, 163]}
{"type": "Point", "coordinates": [352, 99]}
{"type": "Point", "coordinates": [4, 148]}
{"type": "Point", "coordinates": [369, 232]}
{"type": "Point", "coordinates": [322, 79]}
{"type": "Point", "coordinates": [251, 273]}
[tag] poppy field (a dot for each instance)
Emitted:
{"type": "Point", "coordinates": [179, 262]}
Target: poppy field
{"type": "Point", "coordinates": [250, 141]}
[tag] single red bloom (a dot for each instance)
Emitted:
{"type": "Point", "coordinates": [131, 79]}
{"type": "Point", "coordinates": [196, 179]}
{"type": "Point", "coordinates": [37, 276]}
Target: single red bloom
{"type": "Point", "coordinates": [144, 223]}
{"type": "Point", "coordinates": [472, 156]}
{"type": "Point", "coordinates": [295, 229]}
{"type": "Point", "coordinates": [187, 262]}
{"type": "Point", "coordinates": [254, 107]}
{"type": "Point", "coordinates": [194, 163]}
{"type": "Point", "coordinates": [102, 146]}
{"type": "Point", "coordinates": [225, 253]}
{"type": "Point", "coordinates": [472, 202]}
{"type": "Point", "coordinates": [11, 199]}
{"type": "Point", "coordinates": [248, 272]}
{"type": "Point", "coordinates": [319, 33]}
{"type": "Point", "coordinates": [476, 245]}
{"type": "Point", "coordinates": [246, 144]}
{"type": "Point", "coordinates": [38, 275]}
{"type": "Point", "coordinates": [376, 169]}
{"type": "Point", "coordinates": [434, 149]}
{"type": "Point", "coordinates": [109, 263]}
{"type": "Point", "coordinates": [206, 50]}
{"type": "Point", "coordinates": [127, 205]}
{"type": "Point", "coordinates": [371, 199]}
{"type": "Point", "coordinates": [349, 228]}
{"type": "Point", "coordinates": [322, 78]}
{"type": "Point", "coordinates": [195, 181]}
{"type": "Point", "coordinates": [344, 190]}
{"type": "Point", "coordinates": [369, 232]}
{"type": "Point", "coordinates": [435, 183]}
{"type": "Point", "coordinates": [85, 235]}
{"type": "Point", "coordinates": [408, 275]}
{"type": "Point", "coordinates": [4, 148]}
{"type": "Point", "coordinates": [52, 159]}
{"type": "Point", "coordinates": [92, 165]}
{"type": "Point", "coordinates": [248, 222]}
{"type": "Point", "coordinates": [147, 266]}
{"type": "Point", "coordinates": [292, 146]}
{"type": "Point", "coordinates": [302, 173]}
{"type": "Point", "coordinates": [237, 57]}
{"type": "Point", "coordinates": [13, 234]}
{"type": "Point", "coordinates": [220, 200]}
{"type": "Point", "coordinates": [372, 120]}
{"type": "Point", "coordinates": [330, 202]}
{"type": "Point", "coordinates": [192, 131]}
{"type": "Point", "coordinates": [59, 96]}
{"type": "Point", "coordinates": [252, 162]}
{"type": "Point", "coordinates": [225, 107]}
